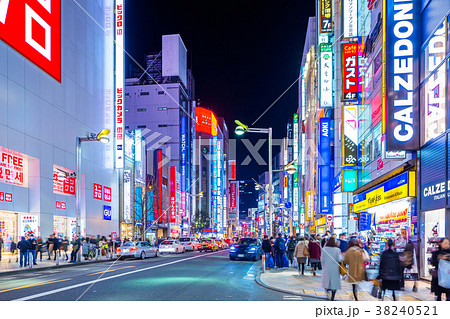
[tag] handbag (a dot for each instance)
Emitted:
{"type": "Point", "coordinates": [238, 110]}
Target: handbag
{"type": "Point", "coordinates": [294, 264]}
{"type": "Point", "coordinates": [285, 261]}
{"type": "Point", "coordinates": [444, 273]}
{"type": "Point", "coordinates": [306, 251]}
{"type": "Point", "coordinates": [342, 268]}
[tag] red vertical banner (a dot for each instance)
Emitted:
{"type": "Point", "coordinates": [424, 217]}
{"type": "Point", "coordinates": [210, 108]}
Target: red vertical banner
{"type": "Point", "coordinates": [173, 194]}
{"type": "Point", "coordinates": [159, 216]}
{"type": "Point", "coordinates": [232, 194]}
{"type": "Point", "coordinates": [98, 194]}
{"type": "Point", "coordinates": [350, 71]}
{"type": "Point", "coordinates": [107, 193]}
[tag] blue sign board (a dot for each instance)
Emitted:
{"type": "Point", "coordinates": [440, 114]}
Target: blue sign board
{"type": "Point", "coordinates": [365, 220]}
{"type": "Point", "coordinates": [106, 212]}
{"type": "Point", "coordinates": [183, 136]}
{"type": "Point", "coordinates": [288, 205]}
{"type": "Point", "coordinates": [324, 165]}
{"type": "Point", "coordinates": [138, 203]}
{"type": "Point", "coordinates": [149, 205]}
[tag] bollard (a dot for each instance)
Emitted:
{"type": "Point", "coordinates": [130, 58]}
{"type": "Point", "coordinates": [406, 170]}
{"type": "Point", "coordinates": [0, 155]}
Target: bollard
{"type": "Point", "coordinates": [57, 258]}
{"type": "Point", "coordinates": [263, 259]}
{"type": "Point", "coordinates": [30, 259]}
{"type": "Point", "coordinates": [96, 253]}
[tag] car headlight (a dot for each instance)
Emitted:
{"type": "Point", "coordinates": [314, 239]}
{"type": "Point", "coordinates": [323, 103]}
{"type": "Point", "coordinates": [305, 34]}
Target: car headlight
{"type": "Point", "coordinates": [253, 249]}
{"type": "Point", "coordinates": [232, 248]}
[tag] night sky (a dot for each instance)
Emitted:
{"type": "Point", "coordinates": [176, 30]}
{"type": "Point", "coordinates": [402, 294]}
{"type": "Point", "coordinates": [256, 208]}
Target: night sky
{"type": "Point", "coordinates": [243, 54]}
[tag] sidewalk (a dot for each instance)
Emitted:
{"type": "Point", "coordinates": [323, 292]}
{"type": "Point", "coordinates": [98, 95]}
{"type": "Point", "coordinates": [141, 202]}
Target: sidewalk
{"type": "Point", "coordinates": [288, 280]}
{"type": "Point", "coordinates": [8, 264]}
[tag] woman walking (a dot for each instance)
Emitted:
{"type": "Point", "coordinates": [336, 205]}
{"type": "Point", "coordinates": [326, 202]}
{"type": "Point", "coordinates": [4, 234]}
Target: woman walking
{"type": "Point", "coordinates": [299, 253]}
{"type": "Point", "coordinates": [390, 270]}
{"type": "Point", "coordinates": [355, 257]}
{"type": "Point", "coordinates": [443, 252]}
{"type": "Point", "coordinates": [314, 253]}
{"type": "Point", "coordinates": [331, 256]}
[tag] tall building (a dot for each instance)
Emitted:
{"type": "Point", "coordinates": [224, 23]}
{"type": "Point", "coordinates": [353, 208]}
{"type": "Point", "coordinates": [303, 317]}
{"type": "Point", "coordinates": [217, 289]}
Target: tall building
{"type": "Point", "coordinates": [248, 197]}
{"type": "Point", "coordinates": [160, 103]}
{"type": "Point", "coordinates": [55, 86]}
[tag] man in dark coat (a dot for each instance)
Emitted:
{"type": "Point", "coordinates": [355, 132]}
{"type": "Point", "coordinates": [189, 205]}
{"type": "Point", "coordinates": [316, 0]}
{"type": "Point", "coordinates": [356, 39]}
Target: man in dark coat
{"type": "Point", "coordinates": [280, 249]}
{"type": "Point", "coordinates": [32, 249]}
{"type": "Point", "coordinates": [23, 246]}
{"type": "Point", "coordinates": [267, 249]}
{"type": "Point", "coordinates": [390, 270]}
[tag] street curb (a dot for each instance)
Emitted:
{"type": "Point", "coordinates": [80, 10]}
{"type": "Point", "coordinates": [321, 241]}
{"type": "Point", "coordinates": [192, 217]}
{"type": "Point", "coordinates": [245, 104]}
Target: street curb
{"type": "Point", "coordinates": [259, 282]}
{"type": "Point", "coordinates": [28, 270]}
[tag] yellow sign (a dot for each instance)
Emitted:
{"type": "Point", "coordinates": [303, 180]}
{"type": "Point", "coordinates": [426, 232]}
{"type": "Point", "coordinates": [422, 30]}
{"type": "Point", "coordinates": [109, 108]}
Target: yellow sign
{"type": "Point", "coordinates": [308, 195]}
{"type": "Point", "coordinates": [393, 189]}
{"type": "Point", "coordinates": [320, 221]}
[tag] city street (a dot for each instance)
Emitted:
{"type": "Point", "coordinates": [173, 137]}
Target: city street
{"type": "Point", "coordinates": [190, 276]}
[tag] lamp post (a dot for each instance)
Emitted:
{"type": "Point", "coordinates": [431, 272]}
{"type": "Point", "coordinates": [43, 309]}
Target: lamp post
{"type": "Point", "coordinates": [90, 137]}
{"type": "Point", "coordinates": [240, 130]}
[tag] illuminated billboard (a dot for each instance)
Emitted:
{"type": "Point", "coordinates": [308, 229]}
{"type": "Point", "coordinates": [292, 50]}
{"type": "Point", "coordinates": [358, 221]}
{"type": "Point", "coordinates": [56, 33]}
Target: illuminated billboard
{"type": "Point", "coordinates": [33, 28]}
{"type": "Point", "coordinates": [13, 167]}
{"type": "Point", "coordinates": [326, 75]}
{"type": "Point", "coordinates": [326, 19]}
{"type": "Point", "coordinates": [350, 71]}
{"type": "Point", "coordinates": [119, 133]}
{"type": "Point", "coordinates": [206, 121]}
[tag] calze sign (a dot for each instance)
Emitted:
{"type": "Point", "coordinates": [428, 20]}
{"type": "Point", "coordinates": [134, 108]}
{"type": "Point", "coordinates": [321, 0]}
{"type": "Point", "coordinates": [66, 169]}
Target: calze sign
{"type": "Point", "coordinates": [33, 28]}
{"type": "Point", "coordinates": [401, 71]}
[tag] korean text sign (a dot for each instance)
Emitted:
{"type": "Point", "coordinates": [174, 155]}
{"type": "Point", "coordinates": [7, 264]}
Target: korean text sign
{"type": "Point", "coordinates": [13, 167]}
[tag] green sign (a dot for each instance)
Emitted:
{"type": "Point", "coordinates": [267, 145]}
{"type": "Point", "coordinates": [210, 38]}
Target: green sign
{"type": "Point", "coordinates": [349, 180]}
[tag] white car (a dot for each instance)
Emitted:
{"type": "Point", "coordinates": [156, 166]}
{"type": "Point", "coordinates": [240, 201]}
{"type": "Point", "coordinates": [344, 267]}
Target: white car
{"type": "Point", "coordinates": [171, 246]}
{"type": "Point", "coordinates": [137, 249]}
{"type": "Point", "coordinates": [189, 243]}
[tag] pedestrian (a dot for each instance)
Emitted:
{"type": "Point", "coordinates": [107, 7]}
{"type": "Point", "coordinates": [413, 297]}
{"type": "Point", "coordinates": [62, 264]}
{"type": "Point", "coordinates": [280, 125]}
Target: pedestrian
{"type": "Point", "coordinates": [50, 244]}
{"type": "Point", "coordinates": [65, 246]}
{"type": "Point", "coordinates": [23, 246]}
{"type": "Point", "coordinates": [314, 253]}
{"type": "Point", "coordinates": [406, 261]}
{"type": "Point", "coordinates": [325, 238]}
{"type": "Point", "coordinates": [1, 247]}
{"type": "Point", "coordinates": [280, 250]}
{"type": "Point", "coordinates": [354, 257]}
{"type": "Point", "coordinates": [272, 243]}
{"type": "Point", "coordinates": [85, 248]}
{"type": "Point", "coordinates": [32, 249]}
{"type": "Point", "coordinates": [55, 246]}
{"type": "Point", "coordinates": [267, 249]}
{"type": "Point", "coordinates": [76, 243]}
{"type": "Point", "coordinates": [39, 248]}
{"type": "Point", "coordinates": [13, 250]}
{"type": "Point", "coordinates": [330, 258]}
{"type": "Point", "coordinates": [291, 248]}
{"type": "Point", "coordinates": [299, 253]}
{"type": "Point", "coordinates": [342, 242]}
{"type": "Point", "coordinates": [390, 271]}
{"type": "Point", "coordinates": [443, 252]}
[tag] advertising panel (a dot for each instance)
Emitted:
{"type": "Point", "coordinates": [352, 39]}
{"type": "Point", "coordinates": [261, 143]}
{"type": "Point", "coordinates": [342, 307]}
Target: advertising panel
{"type": "Point", "coordinates": [326, 16]}
{"type": "Point", "coordinates": [434, 112]}
{"type": "Point", "coordinates": [326, 75]}
{"type": "Point", "coordinates": [63, 184]}
{"type": "Point", "coordinates": [350, 134]}
{"type": "Point", "coordinates": [350, 71]}
{"type": "Point", "coordinates": [127, 195]}
{"type": "Point", "coordinates": [29, 224]}
{"type": "Point", "coordinates": [206, 121]}
{"type": "Point", "coordinates": [119, 35]}
{"type": "Point", "coordinates": [396, 188]}
{"type": "Point", "coordinates": [233, 191]}
{"type": "Point", "coordinates": [350, 19]}
{"type": "Point", "coordinates": [173, 199]}
{"type": "Point", "coordinates": [98, 191]}
{"type": "Point", "coordinates": [183, 146]}
{"type": "Point", "coordinates": [349, 180]}
{"type": "Point", "coordinates": [106, 212]}
{"type": "Point", "coordinates": [401, 65]}
{"type": "Point", "coordinates": [107, 193]}
{"type": "Point", "coordinates": [324, 165]}
{"type": "Point", "coordinates": [33, 28]}
{"type": "Point", "coordinates": [13, 167]}
{"type": "Point", "coordinates": [232, 167]}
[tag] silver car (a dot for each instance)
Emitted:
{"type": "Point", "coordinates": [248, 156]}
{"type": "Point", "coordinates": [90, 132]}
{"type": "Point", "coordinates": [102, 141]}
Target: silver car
{"type": "Point", "coordinates": [137, 249]}
{"type": "Point", "coordinates": [189, 243]}
{"type": "Point", "coordinates": [171, 246]}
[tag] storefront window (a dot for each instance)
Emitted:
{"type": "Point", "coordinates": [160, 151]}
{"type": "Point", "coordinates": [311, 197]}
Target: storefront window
{"type": "Point", "coordinates": [8, 229]}
{"type": "Point", "coordinates": [433, 101]}
{"type": "Point", "coordinates": [434, 230]}
{"type": "Point", "coordinates": [368, 147]}
{"type": "Point", "coordinates": [60, 226]}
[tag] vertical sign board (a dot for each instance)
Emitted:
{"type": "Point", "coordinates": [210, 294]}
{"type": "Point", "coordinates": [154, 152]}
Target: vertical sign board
{"type": "Point", "coordinates": [219, 186]}
{"type": "Point", "coordinates": [350, 71]}
{"type": "Point", "coordinates": [183, 135]}
{"type": "Point", "coordinates": [33, 28]}
{"type": "Point", "coordinates": [127, 195]}
{"type": "Point", "coordinates": [214, 182]}
{"type": "Point", "coordinates": [350, 132]}
{"type": "Point", "coordinates": [106, 212]}
{"type": "Point", "coordinates": [172, 187]}
{"type": "Point", "coordinates": [119, 134]}
{"type": "Point", "coordinates": [232, 194]}
{"type": "Point", "coordinates": [13, 167]}
{"type": "Point", "coordinates": [324, 165]}
{"type": "Point", "coordinates": [232, 167]}
{"type": "Point", "coordinates": [326, 17]}
{"type": "Point", "coordinates": [401, 33]}
{"type": "Point", "coordinates": [350, 20]}
{"type": "Point", "coordinates": [326, 75]}
{"type": "Point", "coordinates": [296, 183]}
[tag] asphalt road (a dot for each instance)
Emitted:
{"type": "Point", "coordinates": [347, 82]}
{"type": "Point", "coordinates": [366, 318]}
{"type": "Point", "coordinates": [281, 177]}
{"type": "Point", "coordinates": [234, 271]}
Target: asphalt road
{"type": "Point", "coordinates": [189, 276]}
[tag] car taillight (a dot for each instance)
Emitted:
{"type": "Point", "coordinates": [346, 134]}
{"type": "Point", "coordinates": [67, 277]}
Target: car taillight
{"type": "Point", "coordinates": [118, 249]}
{"type": "Point", "coordinates": [133, 248]}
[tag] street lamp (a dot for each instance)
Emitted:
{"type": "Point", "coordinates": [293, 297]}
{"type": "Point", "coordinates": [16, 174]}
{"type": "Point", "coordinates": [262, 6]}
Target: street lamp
{"type": "Point", "coordinates": [240, 130]}
{"type": "Point", "coordinates": [102, 136]}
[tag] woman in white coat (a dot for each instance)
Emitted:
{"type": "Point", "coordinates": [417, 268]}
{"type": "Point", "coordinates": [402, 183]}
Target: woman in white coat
{"type": "Point", "coordinates": [331, 256]}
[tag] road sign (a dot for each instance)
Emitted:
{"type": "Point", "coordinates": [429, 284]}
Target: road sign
{"type": "Point", "coordinates": [329, 220]}
{"type": "Point", "coordinates": [288, 205]}
{"type": "Point", "coordinates": [114, 236]}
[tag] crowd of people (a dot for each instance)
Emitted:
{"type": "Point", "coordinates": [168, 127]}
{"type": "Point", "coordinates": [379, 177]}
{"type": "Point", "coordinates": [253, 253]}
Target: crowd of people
{"type": "Point", "coordinates": [346, 259]}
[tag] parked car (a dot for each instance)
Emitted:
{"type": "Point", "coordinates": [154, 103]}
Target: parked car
{"type": "Point", "coordinates": [189, 243]}
{"type": "Point", "coordinates": [246, 248]}
{"type": "Point", "coordinates": [137, 249]}
{"type": "Point", "coordinates": [208, 244]}
{"type": "Point", "coordinates": [171, 246]}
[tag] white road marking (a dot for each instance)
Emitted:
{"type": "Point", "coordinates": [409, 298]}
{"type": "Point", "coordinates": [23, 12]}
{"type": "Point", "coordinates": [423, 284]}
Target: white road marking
{"type": "Point", "coordinates": [51, 292]}
{"type": "Point", "coordinates": [292, 298]}
{"type": "Point", "coordinates": [251, 273]}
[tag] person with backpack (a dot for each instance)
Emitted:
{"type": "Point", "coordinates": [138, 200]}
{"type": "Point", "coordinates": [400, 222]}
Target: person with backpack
{"type": "Point", "coordinates": [390, 270]}
{"type": "Point", "coordinates": [33, 245]}
{"type": "Point", "coordinates": [291, 248]}
{"type": "Point", "coordinates": [280, 250]}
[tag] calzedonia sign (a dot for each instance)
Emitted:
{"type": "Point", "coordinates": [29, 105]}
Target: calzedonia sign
{"type": "Point", "coordinates": [401, 73]}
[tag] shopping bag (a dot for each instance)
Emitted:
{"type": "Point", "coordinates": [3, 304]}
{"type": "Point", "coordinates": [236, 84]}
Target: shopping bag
{"type": "Point", "coordinates": [444, 273]}
{"type": "Point", "coordinates": [270, 263]}
{"type": "Point", "coordinates": [285, 261]}
{"type": "Point", "coordinates": [294, 264]}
